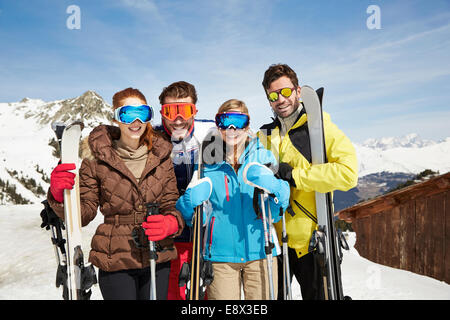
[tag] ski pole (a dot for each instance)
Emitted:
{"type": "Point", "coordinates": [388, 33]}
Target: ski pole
{"type": "Point", "coordinates": [270, 265]}
{"type": "Point", "coordinates": [152, 209]}
{"type": "Point", "coordinates": [57, 238]}
{"type": "Point", "coordinates": [287, 293]}
{"type": "Point", "coordinates": [51, 222]}
{"type": "Point", "coordinates": [267, 244]}
{"type": "Point", "coordinates": [55, 225]}
{"type": "Point", "coordinates": [195, 261]}
{"type": "Point", "coordinates": [195, 283]}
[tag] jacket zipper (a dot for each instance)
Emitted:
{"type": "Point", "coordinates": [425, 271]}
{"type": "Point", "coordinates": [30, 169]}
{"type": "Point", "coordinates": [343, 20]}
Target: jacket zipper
{"type": "Point", "coordinates": [305, 211]}
{"type": "Point", "coordinates": [210, 235]}
{"type": "Point", "coordinates": [226, 188]}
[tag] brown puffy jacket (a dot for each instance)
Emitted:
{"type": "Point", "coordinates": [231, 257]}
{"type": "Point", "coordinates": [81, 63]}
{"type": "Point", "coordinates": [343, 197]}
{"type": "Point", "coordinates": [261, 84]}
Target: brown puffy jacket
{"type": "Point", "coordinates": [105, 181]}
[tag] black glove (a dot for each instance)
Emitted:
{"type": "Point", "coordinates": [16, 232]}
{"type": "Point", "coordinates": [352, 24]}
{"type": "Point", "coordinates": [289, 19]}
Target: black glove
{"type": "Point", "coordinates": [49, 217]}
{"type": "Point", "coordinates": [285, 173]}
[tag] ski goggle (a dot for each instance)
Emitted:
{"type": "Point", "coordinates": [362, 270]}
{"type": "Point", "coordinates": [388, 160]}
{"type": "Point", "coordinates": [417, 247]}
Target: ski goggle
{"type": "Point", "coordinates": [230, 120]}
{"type": "Point", "coordinates": [127, 114]}
{"type": "Point", "coordinates": [275, 95]}
{"type": "Point", "coordinates": [171, 111]}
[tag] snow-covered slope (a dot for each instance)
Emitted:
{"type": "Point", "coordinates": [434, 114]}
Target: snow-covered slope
{"type": "Point", "coordinates": [28, 266]}
{"type": "Point", "coordinates": [23, 145]}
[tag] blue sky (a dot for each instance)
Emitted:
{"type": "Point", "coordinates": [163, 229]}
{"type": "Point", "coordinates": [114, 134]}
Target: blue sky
{"type": "Point", "coordinates": [382, 82]}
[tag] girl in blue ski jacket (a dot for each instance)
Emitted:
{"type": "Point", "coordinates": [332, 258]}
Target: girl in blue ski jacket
{"type": "Point", "coordinates": [234, 162]}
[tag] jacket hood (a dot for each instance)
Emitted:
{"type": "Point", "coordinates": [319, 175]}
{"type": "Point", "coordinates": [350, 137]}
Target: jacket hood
{"type": "Point", "coordinates": [214, 149]}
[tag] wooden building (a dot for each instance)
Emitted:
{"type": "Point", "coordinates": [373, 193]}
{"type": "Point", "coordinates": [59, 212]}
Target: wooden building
{"type": "Point", "coordinates": [407, 229]}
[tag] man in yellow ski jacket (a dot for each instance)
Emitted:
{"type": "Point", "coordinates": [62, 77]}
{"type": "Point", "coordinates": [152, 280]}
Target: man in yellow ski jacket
{"type": "Point", "coordinates": [288, 137]}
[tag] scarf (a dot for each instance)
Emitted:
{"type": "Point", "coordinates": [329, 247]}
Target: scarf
{"type": "Point", "coordinates": [135, 160]}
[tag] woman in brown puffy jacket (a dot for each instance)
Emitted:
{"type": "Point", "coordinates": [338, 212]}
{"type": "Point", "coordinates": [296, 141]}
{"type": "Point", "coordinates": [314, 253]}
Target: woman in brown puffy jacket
{"type": "Point", "coordinates": [125, 167]}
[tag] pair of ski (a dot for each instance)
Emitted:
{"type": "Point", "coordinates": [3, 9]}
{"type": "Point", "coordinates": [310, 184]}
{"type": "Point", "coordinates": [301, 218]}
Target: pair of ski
{"type": "Point", "coordinates": [326, 241]}
{"type": "Point", "coordinates": [72, 273]}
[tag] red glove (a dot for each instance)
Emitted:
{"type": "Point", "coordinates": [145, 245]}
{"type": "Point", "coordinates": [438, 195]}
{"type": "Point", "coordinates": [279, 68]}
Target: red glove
{"type": "Point", "coordinates": [159, 227]}
{"type": "Point", "coordinates": [61, 179]}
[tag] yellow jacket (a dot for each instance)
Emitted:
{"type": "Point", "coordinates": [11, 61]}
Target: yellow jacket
{"type": "Point", "coordinates": [340, 173]}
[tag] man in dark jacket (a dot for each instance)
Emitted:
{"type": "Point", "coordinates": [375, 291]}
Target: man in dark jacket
{"type": "Point", "coordinates": [178, 111]}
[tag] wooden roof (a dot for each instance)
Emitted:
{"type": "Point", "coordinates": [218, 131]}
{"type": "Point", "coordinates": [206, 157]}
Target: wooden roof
{"type": "Point", "coordinates": [390, 200]}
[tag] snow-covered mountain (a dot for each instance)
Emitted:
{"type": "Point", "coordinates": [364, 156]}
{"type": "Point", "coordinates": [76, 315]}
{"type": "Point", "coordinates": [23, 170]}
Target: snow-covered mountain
{"type": "Point", "coordinates": [412, 140]}
{"type": "Point", "coordinates": [27, 144]}
{"type": "Point", "coordinates": [26, 137]}
{"type": "Point", "coordinates": [408, 154]}
{"type": "Point", "coordinates": [388, 162]}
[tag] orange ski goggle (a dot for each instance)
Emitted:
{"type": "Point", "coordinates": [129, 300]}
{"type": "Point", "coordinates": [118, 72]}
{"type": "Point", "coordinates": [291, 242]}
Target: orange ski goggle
{"type": "Point", "coordinates": [171, 111]}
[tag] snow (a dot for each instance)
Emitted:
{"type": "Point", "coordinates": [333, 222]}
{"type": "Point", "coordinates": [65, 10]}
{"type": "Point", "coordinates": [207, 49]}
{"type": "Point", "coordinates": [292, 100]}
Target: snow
{"type": "Point", "coordinates": [28, 266]}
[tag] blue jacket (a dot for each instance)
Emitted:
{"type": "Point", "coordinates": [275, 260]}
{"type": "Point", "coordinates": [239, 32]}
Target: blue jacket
{"type": "Point", "coordinates": [233, 232]}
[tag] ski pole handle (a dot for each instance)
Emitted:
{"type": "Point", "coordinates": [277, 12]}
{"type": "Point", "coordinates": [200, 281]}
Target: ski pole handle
{"type": "Point", "coordinates": [58, 128]}
{"type": "Point", "coordinates": [152, 209]}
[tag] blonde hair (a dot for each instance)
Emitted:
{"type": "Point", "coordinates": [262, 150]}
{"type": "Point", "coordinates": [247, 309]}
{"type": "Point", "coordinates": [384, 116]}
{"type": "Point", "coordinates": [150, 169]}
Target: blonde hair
{"type": "Point", "coordinates": [233, 104]}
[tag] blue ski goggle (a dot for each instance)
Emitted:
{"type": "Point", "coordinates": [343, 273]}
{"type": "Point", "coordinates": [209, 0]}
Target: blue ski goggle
{"type": "Point", "coordinates": [127, 114]}
{"type": "Point", "coordinates": [232, 120]}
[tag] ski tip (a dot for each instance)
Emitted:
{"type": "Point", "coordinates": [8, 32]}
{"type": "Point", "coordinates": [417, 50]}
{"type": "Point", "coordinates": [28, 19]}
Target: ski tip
{"type": "Point", "coordinates": [59, 125]}
{"type": "Point", "coordinates": [75, 123]}
{"type": "Point", "coordinates": [306, 87]}
{"type": "Point", "coordinates": [320, 94]}
{"type": "Point", "coordinates": [309, 89]}
{"type": "Point", "coordinates": [308, 93]}
{"type": "Point", "coordinates": [55, 125]}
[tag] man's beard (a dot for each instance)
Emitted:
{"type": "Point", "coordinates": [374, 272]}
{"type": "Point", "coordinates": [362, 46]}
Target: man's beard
{"type": "Point", "coordinates": [296, 106]}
